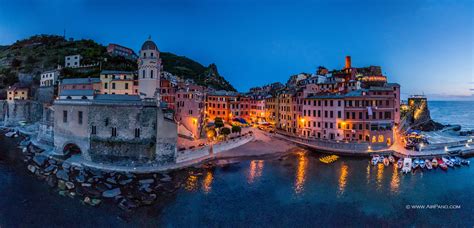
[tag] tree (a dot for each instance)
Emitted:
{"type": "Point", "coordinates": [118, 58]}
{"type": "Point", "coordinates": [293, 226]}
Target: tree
{"type": "Point", "coordinates": [236, 129]}
{"type": "Point", "coordinates": [218, 122]}
{"type": "Point", "coordinates": [225, 131]}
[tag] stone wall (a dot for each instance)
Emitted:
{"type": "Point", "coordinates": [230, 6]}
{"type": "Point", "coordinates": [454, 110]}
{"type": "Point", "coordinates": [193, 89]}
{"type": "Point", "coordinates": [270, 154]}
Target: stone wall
{"type": "Point", "coordinates": [45, 94]}
{"type": "Point", "coordinates": [166, 139]}
{"type": "Point", "coordinates": [46, 127]}
{"type": "Point", "coordinates": [21, 110]}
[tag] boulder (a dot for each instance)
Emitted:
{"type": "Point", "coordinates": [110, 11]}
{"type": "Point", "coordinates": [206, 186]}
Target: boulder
{"type": "Point", "coordinates": [125, 182]}
{"type": "Point", "coordinates": [146, 181]}
{"type": "Point", "coordinates": [66, 165]}
{"type": "Point", "coordinates": [39, 160]}
{"type": "Point", "coordinates": [32, 168]}
{"type": "Point", "coordinates": [63, 175]}
{"type": "Point", "coordinates": [69, 185]}
{"type": "Point", "coordinates": [111, 193]}
{"type": "Point", "coordinates": [127, 205]}
{"type": "Point", "coordinates": [111, 180]}
{"type": "Point", "coordinates": [61, 185]}
{"type": "Point", "coordinates": [50, 169]}
{"type": "Point", "coordinates": [52, 181]}
{"type": "Point", "coordinates": [80, 178]}
{"type": "Point", "coordinates": [166, 178]}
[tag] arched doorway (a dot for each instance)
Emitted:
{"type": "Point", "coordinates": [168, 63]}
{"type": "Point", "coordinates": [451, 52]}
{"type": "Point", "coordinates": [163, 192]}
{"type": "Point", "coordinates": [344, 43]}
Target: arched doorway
{"type": "Point", "coordinates": [71, 149]}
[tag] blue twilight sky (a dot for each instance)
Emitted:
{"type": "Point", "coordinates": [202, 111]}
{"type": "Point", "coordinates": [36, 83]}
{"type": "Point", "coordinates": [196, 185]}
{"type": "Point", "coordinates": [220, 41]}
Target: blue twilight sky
{"type": "Point", "coordinates": [425, 45]}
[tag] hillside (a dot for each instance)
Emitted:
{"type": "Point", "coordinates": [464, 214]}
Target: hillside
{"type": "Point", "coordinates": [44, 52]}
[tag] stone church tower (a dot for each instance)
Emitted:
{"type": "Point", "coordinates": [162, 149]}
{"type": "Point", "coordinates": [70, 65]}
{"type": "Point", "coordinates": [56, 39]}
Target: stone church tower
{"type": "Point", "coordinates": [149, 70]}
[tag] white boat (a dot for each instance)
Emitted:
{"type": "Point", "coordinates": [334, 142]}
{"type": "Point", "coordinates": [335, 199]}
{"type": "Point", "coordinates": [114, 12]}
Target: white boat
{"type": "Point", "coordinates": [448, 162]}
{"type": "Point", "coordinates": [406, 165]}
{"type": "Point", "coordinates": [375, 160]}
{"type": "Point", "coordinates": [428, 164]}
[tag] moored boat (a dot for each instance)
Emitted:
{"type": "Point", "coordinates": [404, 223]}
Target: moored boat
{"type": "Point", "coordinates": [428, 164]}
{"type": "Point", "coordinates": [434, 162]}
{"type": "Point", "coordinates": [465, 162]}
{"type": "Point", "coordinates": [422, 163]}
{"type": "Point", "coordinates": [391, 159]}
{"type": "Point", "coordinates": [407, 164]}
{"type": "Point", "coordinates": [416, 163]}
{"type": "Point", "coordinates": [447, 161]}
{"type": "Point", "coordinates": [375, 159]}
{"type": "Point", "coordinates": [441, 164]}
{"type": "Point", "coordinates": [400, 163]}
{"type": "Point", "coordinates": [457, 161]}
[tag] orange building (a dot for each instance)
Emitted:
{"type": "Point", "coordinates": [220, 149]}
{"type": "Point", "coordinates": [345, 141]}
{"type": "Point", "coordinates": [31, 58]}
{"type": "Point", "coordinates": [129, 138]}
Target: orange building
{"type": "Point", "coordinates": [17, 92]}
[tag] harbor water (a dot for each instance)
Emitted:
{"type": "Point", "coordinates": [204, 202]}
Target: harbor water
{"type": "Point", "coordinates": [295, 190]}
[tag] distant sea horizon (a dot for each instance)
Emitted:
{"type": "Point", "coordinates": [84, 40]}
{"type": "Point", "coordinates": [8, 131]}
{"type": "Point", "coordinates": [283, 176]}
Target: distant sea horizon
{"type": "Point", "coordinates": [453, 112]}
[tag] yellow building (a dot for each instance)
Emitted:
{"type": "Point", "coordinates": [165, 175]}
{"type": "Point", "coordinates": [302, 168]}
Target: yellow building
{"type": "Point", "coordinates": [17, 93]}
{"type": "Point", "coordinates": [118, 82]}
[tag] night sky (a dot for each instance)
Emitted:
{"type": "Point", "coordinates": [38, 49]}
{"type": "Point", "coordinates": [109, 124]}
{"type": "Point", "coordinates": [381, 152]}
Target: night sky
{"type": "Point", "coordinates": [425, 45]}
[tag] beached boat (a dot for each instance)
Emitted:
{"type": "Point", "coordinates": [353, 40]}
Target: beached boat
{"type": "Point", "coordinates": [391, 159]}
{"type": "Point", "coordinates": [375, 160]}
{"type": "Point", "coordinates": [400, 163]}
{"type": "Point", "coordinates": [428, 164]}
{"type": "Point", "coordinates": [422, 163]}
{"type": "Point", "coordinates": [434, 162]}
{"type": "Point", "coordinates": [407, 164]}
{"type": "Point", "coordinates": [441, 164]}
{"type": "Point", "coordinates": [386, 162]}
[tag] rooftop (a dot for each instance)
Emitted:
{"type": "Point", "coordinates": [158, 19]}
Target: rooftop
{"type": "Point", "coordinates": [116, 72]}
{"type": "Point", "coordinates": [75, 81]}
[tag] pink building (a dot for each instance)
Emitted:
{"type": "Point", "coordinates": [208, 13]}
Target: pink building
{"type": "Point", "coordinates": [189, 107]}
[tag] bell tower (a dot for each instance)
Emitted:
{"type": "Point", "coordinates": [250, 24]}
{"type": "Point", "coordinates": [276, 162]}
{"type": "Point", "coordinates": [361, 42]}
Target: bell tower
{"type": "Point", "coordinates": [149, 70]}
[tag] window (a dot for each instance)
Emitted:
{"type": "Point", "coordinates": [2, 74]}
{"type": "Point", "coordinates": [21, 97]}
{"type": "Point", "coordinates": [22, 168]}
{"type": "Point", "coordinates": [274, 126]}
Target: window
{"type": "Point", "coordinates": [143, 74]}
{"type": "Point", "coordinates": [137, 132]}
{"type": "Point", "coordinates": [94, 130]}
{"type": "Point", "coordinates": [126, 85]}
{"type": "Point", "coordinates": [64, 116]}
{"type": "Point", "coordinates": [113, 85]}
{"type": "Point", "coordinates": [114, 132]}
{"type": "Point", "coordinates": [106, 85]}
{"type": "Point", "coordinates": [106, 122]}
{"type": "Point", "coordinates": [151, 74]}
{"type": "Point", "coordinates": [79, 117]}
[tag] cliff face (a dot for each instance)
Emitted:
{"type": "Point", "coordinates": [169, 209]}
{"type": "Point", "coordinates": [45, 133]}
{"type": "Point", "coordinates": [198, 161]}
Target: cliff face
{"type": "Point", "coordinates": [417, 116]}
{"type": "Point", "coordinates": [45, 52]}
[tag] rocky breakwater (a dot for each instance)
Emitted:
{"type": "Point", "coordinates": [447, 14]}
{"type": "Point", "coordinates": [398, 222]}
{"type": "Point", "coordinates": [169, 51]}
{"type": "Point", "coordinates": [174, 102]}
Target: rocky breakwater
{"type": "Point", "coordinates": [92, 186]}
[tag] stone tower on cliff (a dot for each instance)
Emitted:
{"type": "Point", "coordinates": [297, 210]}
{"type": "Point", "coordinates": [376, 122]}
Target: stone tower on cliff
{"type": "Point", "coordinates": [149, 70]}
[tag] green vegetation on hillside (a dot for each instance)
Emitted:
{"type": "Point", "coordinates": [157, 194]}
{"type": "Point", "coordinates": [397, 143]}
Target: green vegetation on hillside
{"type": "Point", "coordinates": [45, 52]}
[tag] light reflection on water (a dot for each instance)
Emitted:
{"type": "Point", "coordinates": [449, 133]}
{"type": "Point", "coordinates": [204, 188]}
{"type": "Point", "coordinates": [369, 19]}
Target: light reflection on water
{"type": "Point", "coordinates": [379, 177]}
{"type": "Point", "coordinates": [343, 179]}
{"type": "Point", "coordinates": [395, 182]}
{"type": "Point", "coordinates": [255, 170]}
{"type": "Point", "coordinates": [191, 183]}
{"type": "Point", "coordinates": [207, 182]}
{"type": "Point", "coordinates": [301, 172]}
